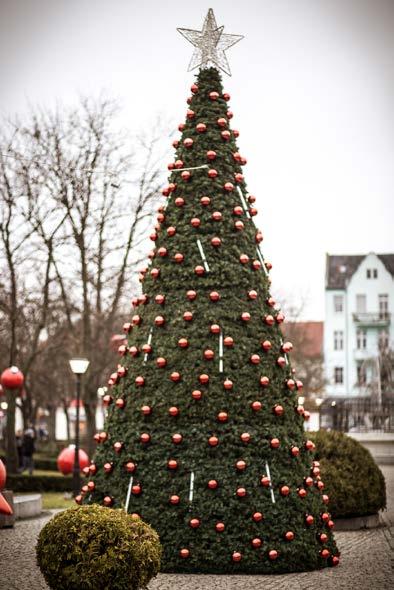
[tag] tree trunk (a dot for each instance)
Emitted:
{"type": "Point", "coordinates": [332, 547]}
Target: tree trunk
{"type": "Point", "coordinates": [90, 411]}
{"type": "Point", "coordinates": [12, 455]}
{"type": "Point", "coordinates": [52, 409]}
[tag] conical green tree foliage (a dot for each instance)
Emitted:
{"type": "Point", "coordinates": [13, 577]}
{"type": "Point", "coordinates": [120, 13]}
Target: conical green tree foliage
{"type": "Point", "coordinates": [202, 416]}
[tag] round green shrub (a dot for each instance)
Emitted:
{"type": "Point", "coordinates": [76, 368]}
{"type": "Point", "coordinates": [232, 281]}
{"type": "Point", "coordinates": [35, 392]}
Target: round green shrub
{"type": "Point", "coordinates": [353, 481]}
{"type": "Point", "coordinates": [92, 547]}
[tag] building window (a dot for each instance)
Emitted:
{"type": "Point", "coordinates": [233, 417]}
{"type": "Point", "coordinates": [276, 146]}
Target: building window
{"type": "Point", "coordinates": [361, 374]}
{"type": "Point", "coordinates": [338, 340]}
{"type": "Point", "coordinates": [338, 303]}
{"type": "Point", "coordinates": [361, 303]}
{"type": "Point", "coordinates": [383, 306]}
{"type": "Point", "coordinates": [338, 374]}
{"type": "Point", "coordinates": [383, 340]}
{"type": "Point", "coordinates": [361, 339]}
{"type": "Point", "coordinates": [372, 273]}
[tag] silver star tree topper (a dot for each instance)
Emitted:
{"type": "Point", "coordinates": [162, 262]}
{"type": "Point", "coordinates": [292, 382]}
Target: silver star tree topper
{"type": "Point", "coordinates": [210, 43]}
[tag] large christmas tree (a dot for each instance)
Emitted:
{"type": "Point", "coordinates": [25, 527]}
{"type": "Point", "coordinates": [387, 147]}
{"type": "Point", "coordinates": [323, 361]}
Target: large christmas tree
{"type": "Point", "coordinates": [204, 437]}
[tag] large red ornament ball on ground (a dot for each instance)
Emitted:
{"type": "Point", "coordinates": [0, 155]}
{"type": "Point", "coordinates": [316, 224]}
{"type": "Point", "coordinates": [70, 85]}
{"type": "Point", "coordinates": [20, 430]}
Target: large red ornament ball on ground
{"type": "Point", "coordinates": [3, 475]}
{"type": "Point", "coordinates": [65, 460]}
{"type": "Point", "coordinates": [12, 378]}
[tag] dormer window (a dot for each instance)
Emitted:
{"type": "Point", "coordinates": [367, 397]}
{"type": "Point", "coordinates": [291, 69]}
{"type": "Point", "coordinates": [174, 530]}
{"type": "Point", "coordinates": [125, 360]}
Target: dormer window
{"type": "Point", "coordinates": [372, 273]}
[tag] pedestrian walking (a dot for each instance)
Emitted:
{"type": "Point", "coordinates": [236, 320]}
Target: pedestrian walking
{"type": "Point", "coordinates": [28, 448]}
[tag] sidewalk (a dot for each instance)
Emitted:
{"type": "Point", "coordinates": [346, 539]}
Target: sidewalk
{"type": "Point", "coordinates": [367, 560]}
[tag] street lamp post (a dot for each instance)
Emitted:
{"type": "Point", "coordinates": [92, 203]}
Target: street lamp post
{"type": "Point", "coordinates": [78, 366]}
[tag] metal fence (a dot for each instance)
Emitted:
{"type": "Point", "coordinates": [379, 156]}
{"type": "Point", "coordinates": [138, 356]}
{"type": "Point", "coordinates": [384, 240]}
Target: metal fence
{"type": "Point", "coordinates": [357, 415]}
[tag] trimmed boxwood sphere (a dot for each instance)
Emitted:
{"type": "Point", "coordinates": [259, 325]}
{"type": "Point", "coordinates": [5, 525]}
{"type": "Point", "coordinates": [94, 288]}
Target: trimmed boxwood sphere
{"type": "Point", "coordinates": [92, 547]}
{"type": "Point", "coordinates": [352, 479]}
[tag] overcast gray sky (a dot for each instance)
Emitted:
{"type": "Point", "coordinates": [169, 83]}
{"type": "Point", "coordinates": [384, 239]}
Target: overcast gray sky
{"type": "Point", "coordinates": [312, 94]}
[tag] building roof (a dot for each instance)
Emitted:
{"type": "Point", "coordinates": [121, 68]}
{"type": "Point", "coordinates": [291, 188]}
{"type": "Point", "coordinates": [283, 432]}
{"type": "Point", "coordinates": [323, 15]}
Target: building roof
{"type": "Point", "coordinates": [306, 336]}
{"type": "Point", "coordinates": [340, 268]}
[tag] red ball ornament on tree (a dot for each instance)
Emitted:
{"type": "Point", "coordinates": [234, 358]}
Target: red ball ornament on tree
{"type": "Point", "coordinates": [222, 122]}
{"type": "Point", "coordinates": [309, 520]}
{"type": "Point", "coordinates": [256, 406]}
{"type": "Point", "coordinates": [185, 175]}
{"type": "Point", "coordinates": [178, 258]}
{"type": "Point", "coordinates": [196, 394]}
{"type": "Point", "coordinates": [284, 490]}
{"type": "Point", "coordinates": [201, 127]}
{"type": "Point", "coordinates": [130, 467]}
{"type": "Point", "coordinates": [184, 553]}
{"type": "Point", "coordinates": [199, 270]}
{"type": "Point", "coordinates": [335, 560]}
{"type": "Point", "coordinates": [216, 216]}
{"type": "Point", "coordinates": [241, 492]}
{"type": "Point", "coordinates": [172, 464]}
{"type": "Point", "coordinates": [265, 481]}
{"type": "Point", "coordinates": [146, 348]}
{"type": "Point", "coordinates": [178, 164]}
{"type": "Point", "coordinates": [228, 186]}
{"type": "Point", "coordinates": [214, 329]}
{"type": "Point", "coordinates": [209, 354]}
{"type": "Point", "coordinates": [213, 441]}
{"type": "Point", "coordinates": [183, 343]}
{"type": "Point", "coordinates": [146, 410]}
{"type": "Point", "coordinates": [12, 378]}
{"type": "Point", "coordinates": [226, 96]}
{"type": "Point", "coordinates": [252, 294]}
{"type": "Point", "coordinates": [236, 556]}
{"type": "Point", "coordinates": [219, 527]}
{"type": "Point", "coordinates": [171, 231]}
{"type": "Point", "coordinates": [324, 553]}
{"type": "Point", "coordinates": [256, 542]}
{"type": "Point", "coordinates": [203, 378]}
{"type": "Point", "coordinates": [205, 201]}
{"type": "Point", "coordinates": [245, 316]}
{"type": "Point", "coordinates": [302, 493]}
{"type": "Point", "coordinates": [213, 95]}
{"type": "Point", "coordinates": [289, 536]}
{"type": "Point", "coordinates": [191, 295]}
{"type": "Point", "coordinates": [212, 484]}
{"type": "Point", "coordinates": [120, 403]}
{"type": "Point", "coordinates": [295, 451]}
{"type": "Point", "coordinates": [226, 135]}
{"type": "Point", "coordinates": [214, 296]}
{"type": "Point", "coordinates": [190, 114]}
{"type": "Point", "coordinates": [228, 341]}
{"type": "Point", "coordinates": [145, 437]}
{"type": "Point", "coordinates": [257, 516]}
{"type": "Point", "coordinates": [281, 361]}
{"type": "Point", "coordinates": [179, 202]}
{"type": "Point", "coordinates": [159, 320]}
{"type": "Point", "coordinates": [174, 499]}
{"type": "Point", "coordinates": [188, 142]}
{"type": "Point", "coordinates": [136, 489]}
{"type": "Point", "coordinates": [273, 554]}
{"type": "Point", "coordinates": [173, 411]}
{"type": "Point", "coordinates": [177, 438]}
{"type": "Point", "coordinates": [278, 410]}
{"type": "Point", "coordinates": [108, 501]}
{"type": "Point", "coordinates": [255, 359]}
{"type": "Point", "coordinates": [188, 316]}
{"type": "Point", "coordinates": [245, 437]}
{"type": "Point", "coordinates": [160, 299]}
{"type": "Point", "coordinates": [244, 259]}
{"type": "Point", "coordinates": [323, 538]}
{"type": "Point", "coordinates": [264, 381]}
{"type": "Point", "coordinates": [275, 443]}
{"type": "Point", "coordinates": [194, 523]}
{"type": "Point", "coordinates": [194, 88]}
{"type": "Point", "coordinates": [211, 154]}
{"type": "Point", "coordinates": [240, 465]}
{"type": "Point", "coordinates": [161, 362]}
{"type": "Point", "coordinates": [216, 242]}
{"type": "Point", "coordinates": [238, 177]}
{"type": "Point", "coordinates": [310, 445]}
{"type": "Point", "coordinates": [228, 384]}
{"type": "Point", "coordinates": [239, 225]}
{"type": "Point", "coordinates": [175, 376]}
{"type": "Point", "coordinates": [235, 132]}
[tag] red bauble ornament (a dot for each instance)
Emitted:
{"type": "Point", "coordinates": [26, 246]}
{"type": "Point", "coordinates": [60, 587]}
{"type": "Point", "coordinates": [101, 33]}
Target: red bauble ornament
{"type": "Point", "coordinates": [12, 378]}
{"type": "Point", "coordinates": [280, 318]}
{"type": "Point", "coordinates": [213, 95]}
{"type": "Point", "coordinates": [309, 520]}
{"type": "Point", "coordinates": [136, 489]}
{"type": "Point", "coordinates": [179, 201]}
{"type": "Point", "coordinates": [120, 403]}
{"type": "Point", "coordinates": [160, 299]}
{"type": "Point", "coordinates": [235, 132]}
{"type": "Point", "coordinates": [325, 498]}
{"type": "Point", "coordinates": [178, 164]}
{"type": "Point", "coordinates": [172, 464]}
{"type": "Point", "coordinates": [78, 499]}
{"type": "Point", "coordinates": [127, 327]}
{"type": "Point", "coordinates": [175, 376]}
{"type": "Point", "coordinates": [278, 410]}
{"type": "Point", "coordinates": [212, 484]}
{"type": "Point", "coordinates": [285, 490]}
{"type": "Point", "coordinates": [287, 347]}
{"type": "Point", "coordinates": [161, 362]}
{"type": "Point", "coordinates": [174, 499]}
{"type": "Point", "coordinates": [269, 320]}
{"type": "Point", "coordinates": [146, 348]}
{"type": "Point", "coordinates": [194, 88]}
{"type": "Point", "coordinates": [256, 265]}
{"type": "Point", "coordinates": [289, 536]}
{"type": "Point", "coordinates": [212, 173]}
{"type": "Point", "coordinates": [173, 411]}
{"type": "Point", "coordinates": [259, 238]}
{"type": "Point", "coordinates": [181, 127]}
{"type": "Point", "coordinates": [66, 458]}
{"type": "Point", "coordinates": [178, 257]}
{"type": "Point", "coordinates": [241, 492]}
{"type": "Point", "coordinates": [244, 259]}
{"type": "Point", "coordinates": [306, 415]}
{"type": "Point", "coordinates": [323, 538]}
{"type": "Point", "coordinates": [205, 201]}
{"type": "Point", "coordinates": [281, 361]}
{"type": "Point", "coordinates": [162, 251]}
{"type": "Point", "coordinates": [203, 378]}
{"type": "Point", "coordinates": [325, 517]}
{"type": "Point", "coordinates": [245, 316]}
{"type": "Point", "coordinates": [185, 175]}
{"type": "Point", "coordinates": [219, 527]}
{"type": "Point", "coordinates": [240, 465]}
{"type": "Point", "coordinates": [256, 543]}
{"type": "Point", "coordinates": [264, 381]}
{"type": "Point", "coordinates": [330, 524]}
{"type": "Point", "coordinates": [159, 320]}
{"type": "Point", "coordinates": [273, 554]}
{"type": "Point", "coordinates": [222, 122]}
{"type": "Point", "coordinates": [238, 177]}
{"type": "Point", "coordinates": [91, 486]}
{"type": "Point", "coordinates": [175, 143]}
{"type": "Point", "coordinates": [196, 394]}
{"type": "Point", "coordinates": [108, 501]}
{"type": "Point", "coordinates": [308, 481]}
{"type": "Point", "coordinates": [245, 437]}
{"type": "Point", "coordinates": [209, 354]}
{"type": "Point", "coordinates": [236, 556]}
{"type": "Point", "coordinates": [188, 142]}
{"type": "Point", "coordinates": [324, 553]}
{"type": "Point", "coordinates": [256, 406]}
{"type": "Point", "coordinates": [211, 154]}
{"type": "Point", "coordinates": [275, 443]}
{"type": "Point", "coordinates": [191, 295]}
{"type": "Point", "coordinates": [216, 242]}
{"type": "Point", "coordinates": [228, 341]}
{"type": "Point", "coordinates": [146, 410]}
{"type": "Point", "coordinates": [184, 553]}
{"type": "Point", "coordinates": [183, 343]}
{"type": "Point", "coordinates": [177, 438]}
{"type": "Point", "coordinates": [228, 186]}
{"type": "Point", "coordinates": [107, 400]}
{"type": "Point", "coordinates": [144, 437]}
{"type": "Point", "coordinates": [226, 96]}
{"type": "Point", "coordinates": [213, 441]}
{"type": "Point", "coordinates": [118, 446]}
{"type": "Point", "coordinates": [194, 523]}
{"type": "Point", "coordinates": [190, 114]}
{"type": "Point", "coordinates": [227, 384]}
{"type": "Point", "coordinates": [195, 222]}
{"type": "Point", "coordinates": [199, 270]}
{"type": "Point", "coordinates": [130, 467]}
{"type": "Point", "coordinates": [216, 216]}
{"type": "Point", "coordinates": [229, 114]}
{"type": "Point", "coordinates": [188, 316]}
{"type": "Point", "coordinates": [290, 384]}
{"type": "Point", "coordinates": [103, 436]}
{"type": "Point", "coordinates": [171, 231]}
{"type": "Point", "coordinates": [257, 516]}
{"type": "Point", "coordinates": [226, 135]}
{"type": "Point", "coordinates": [302, 493]}
{"type": "Point", "coordinates": [255, 359]}
{"type": "Point", "coordinates": [265, 481]}
{"type": "Point", "coordinates": [239, 225]}
{"type": "Point", "coordinates": [215, 329]}
{"type": "Point", "coordinates": [201, 127]}
{"type": "Point", "coordinates": [295, 451]}
{"type": "Point", "coordinates": [252, 294]}
{"type": "Point", "coordinates": [335, 560]}
{"type": "Point", "coordinates": [310, 445]}
{"type": "Point", "coordinates": [214, 296]}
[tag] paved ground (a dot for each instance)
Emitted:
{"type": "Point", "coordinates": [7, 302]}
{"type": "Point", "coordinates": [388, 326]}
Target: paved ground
{"type": "Point", "coordinates": [367, 562]}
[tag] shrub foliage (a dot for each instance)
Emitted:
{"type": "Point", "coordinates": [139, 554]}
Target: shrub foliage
{"type": "Point", "coordinates": [353, 480]}
{"type": "Point", "coordinates": [92, 547]}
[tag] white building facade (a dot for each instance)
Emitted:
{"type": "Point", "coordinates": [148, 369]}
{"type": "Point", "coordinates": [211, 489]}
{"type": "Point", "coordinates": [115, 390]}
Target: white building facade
{"type": "Point", "coordinates": [359, 299]}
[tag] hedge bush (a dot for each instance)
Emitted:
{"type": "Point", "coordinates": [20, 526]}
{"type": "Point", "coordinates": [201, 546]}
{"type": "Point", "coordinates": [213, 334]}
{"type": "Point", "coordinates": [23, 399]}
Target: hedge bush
{"type": "Point", "coordinates": [353, 481]}
{"type": "Point", "coordinates": [92, 547]}
{"type": "Point", "coordinates": [38, 483]}
{"type": "Point", "coordinates": [40, 462]}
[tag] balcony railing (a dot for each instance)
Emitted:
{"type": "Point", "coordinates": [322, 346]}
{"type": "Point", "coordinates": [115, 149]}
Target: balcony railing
{"type": "Point", "coordinates": [359, 415]}
{"type": "Point", "coordinates": [381, 318]}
